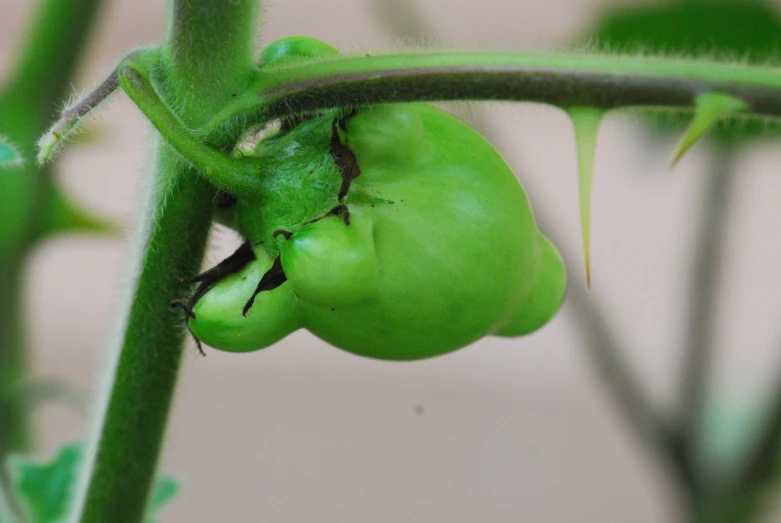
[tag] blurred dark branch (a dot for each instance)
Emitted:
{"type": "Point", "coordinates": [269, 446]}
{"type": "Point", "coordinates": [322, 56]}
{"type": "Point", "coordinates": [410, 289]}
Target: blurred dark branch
{"type": "Point", "coordinates": [403, 19]}
{"type": "Point", "coordinates": [603, 347]}
{"type": "Point", "coordinates": [606, 355]}
{"type": "Point", "coordinates": [703, 302]}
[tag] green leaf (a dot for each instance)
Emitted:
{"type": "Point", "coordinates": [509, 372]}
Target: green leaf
{"type": "Point", "coordinates": [62, 215]}
{"type": "Point", "coordinates": [9, 155]}
{"type": "Point", "coordinates": [45, 489]}
{"type": "Point", "coordinates": [747, 31]}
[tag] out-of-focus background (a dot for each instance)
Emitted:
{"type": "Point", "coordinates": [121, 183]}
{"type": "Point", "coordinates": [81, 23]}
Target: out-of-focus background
{"type": "Point", "coordinates": [506, 430]}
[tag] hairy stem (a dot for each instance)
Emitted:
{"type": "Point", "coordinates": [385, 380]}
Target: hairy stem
{"type": "Point", "coordinates": [703, 293]}
{"type": "Point", "coordinates": [238, 176]}
{"type": "Point", "coordinates": [762, 463]}
{"type": "Point", "coordinates": [123, 458]}
{"type": "Point", "coordinates": [575, 80]}
{"type": "Point", "coordinates": [69, 121]}
{"type": "Point", "coordinates": [133, 425]}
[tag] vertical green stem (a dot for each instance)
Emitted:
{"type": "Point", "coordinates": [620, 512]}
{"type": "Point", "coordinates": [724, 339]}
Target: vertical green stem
{"type": "Point", "coordinates": [208, 54]}
{"type": "Point", "coordinates": [14, 426]}
{"type": "Point", "coordinates": [37, 83]}
{"type": "Point", "coordinates": [50, 53]}
{"type": "Point", "coordinates": [208, 58]}
{"type": "Point", "coordinates": [14, 430]}
{"type": "Point", "coordinates": [124, 458]}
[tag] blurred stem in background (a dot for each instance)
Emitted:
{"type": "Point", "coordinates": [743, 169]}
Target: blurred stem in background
{"type": "Point", "coordinates": [679, 445]}
{"type": "Point", "coordinates": [705, 279]}
{"type": "Point", "coordinates": [31, 206]}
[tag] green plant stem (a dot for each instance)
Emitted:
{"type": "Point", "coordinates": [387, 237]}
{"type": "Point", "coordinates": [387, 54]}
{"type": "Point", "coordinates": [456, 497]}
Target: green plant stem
{"type": "Point", "coordinates": [703, 302]}
{"type": "Point", "coordinates": [238, 176]}
{"type": "Point", "coordinates": [121, 466]}
{"type": "Point", "coordinates": [38, 81]}
{"type": "Point", "coordinates": [133, 425]}
{"type": "Point", "coordinates": [49, 55]}
{"type": "Point", "coordinates": [197, 44]}
{"type": "Point", "coordinates": [14, 423]}
{"type": "Point", "coordinates": [70, 118]}
{"type": "Point", "coordinates": [571, 80]}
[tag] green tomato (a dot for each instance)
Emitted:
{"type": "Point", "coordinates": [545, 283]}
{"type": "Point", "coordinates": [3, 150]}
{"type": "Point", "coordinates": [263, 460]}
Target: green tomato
{"type": "Point", "coordinates": [220, 322]}
{"type": "Point", "coordinates": [395, 232]}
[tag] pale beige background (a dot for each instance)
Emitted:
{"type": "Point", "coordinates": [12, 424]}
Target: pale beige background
{"type": "Point", "coordinates": [511, 430]}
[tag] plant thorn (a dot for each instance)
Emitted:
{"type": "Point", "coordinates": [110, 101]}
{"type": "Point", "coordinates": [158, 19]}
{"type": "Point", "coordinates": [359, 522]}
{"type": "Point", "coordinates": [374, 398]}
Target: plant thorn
{"type": "Point", "coordinates": [585, 122]}
{"type": "Point", "coordinates": [709, 109]}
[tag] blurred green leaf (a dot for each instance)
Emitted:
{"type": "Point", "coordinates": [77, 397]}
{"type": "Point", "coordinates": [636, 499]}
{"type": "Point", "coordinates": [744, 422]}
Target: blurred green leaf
{"type": "Point", "coordinates": [62, 215]}
{"type": "Point", "coordinates": [164, 491]}
{"type": "Point", "coordinates": [45, 489]}
{"type": "Point", "coordinates": [728, 428]}
{"type": "Point", "coordinates": [9, 156]}
{"type": "Point", "coordinates": [740, 30]}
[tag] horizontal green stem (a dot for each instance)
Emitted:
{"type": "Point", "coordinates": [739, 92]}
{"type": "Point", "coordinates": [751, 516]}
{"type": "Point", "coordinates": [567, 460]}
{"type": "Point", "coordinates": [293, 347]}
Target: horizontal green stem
{"type": "Point", "coordinates": [599, 81]}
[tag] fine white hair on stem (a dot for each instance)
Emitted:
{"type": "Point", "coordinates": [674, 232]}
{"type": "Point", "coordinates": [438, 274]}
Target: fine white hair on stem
{"type": "Point", "coordinates": [75, 111]}
{"type": "Point", "coordinates": [71, 117]}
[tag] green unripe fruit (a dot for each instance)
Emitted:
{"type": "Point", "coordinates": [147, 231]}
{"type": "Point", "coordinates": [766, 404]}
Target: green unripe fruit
{"type": "Point", "coordinates": [397, 232]}
{"type": "Point", "coordinates": [331, 264]}
{"type": "Point", "coordinates": [220, 322]}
